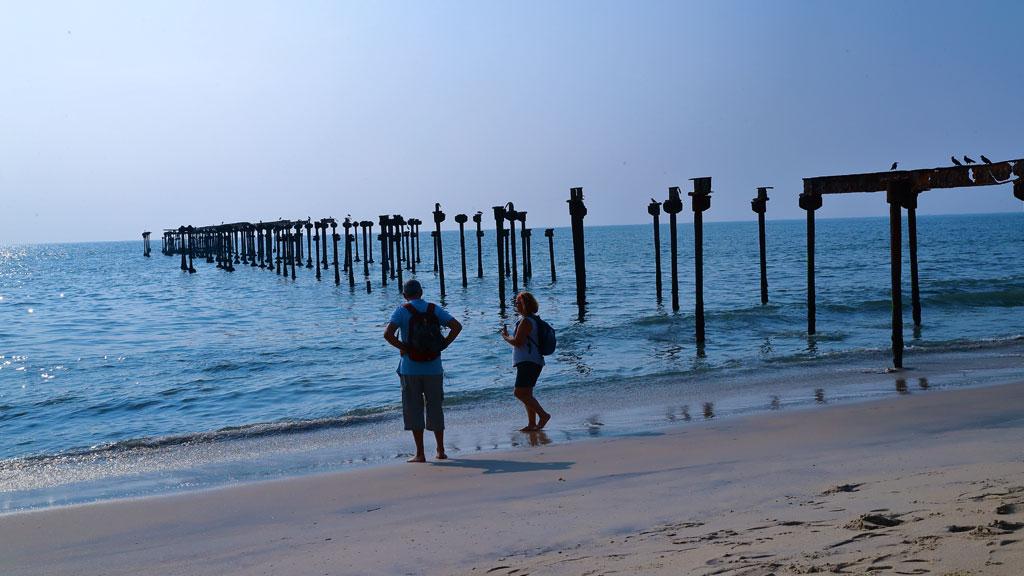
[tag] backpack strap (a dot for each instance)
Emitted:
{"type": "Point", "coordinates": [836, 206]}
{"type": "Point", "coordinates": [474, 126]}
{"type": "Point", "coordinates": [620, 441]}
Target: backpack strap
{"type": "Point", "coordinates": [533, 336]}
{"type": "Point", "coordinates": [413, 313]}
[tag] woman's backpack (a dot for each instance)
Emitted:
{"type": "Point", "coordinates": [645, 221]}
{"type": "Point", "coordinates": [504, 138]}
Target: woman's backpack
{"type": "Point", "coordinates": [546, 340]}
{"type": "Point", "coordinates": [424, 334]}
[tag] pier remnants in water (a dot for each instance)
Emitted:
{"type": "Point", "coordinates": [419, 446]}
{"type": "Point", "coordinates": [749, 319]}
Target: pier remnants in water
{"type": "Point", "coordinates": [901, 187]}
{"type": "Point", "coordinates": [285, 246]}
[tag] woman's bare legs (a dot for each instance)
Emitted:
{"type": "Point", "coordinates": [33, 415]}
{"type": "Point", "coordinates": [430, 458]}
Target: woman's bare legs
{"type": "Point", "coordinates": [534, 411]}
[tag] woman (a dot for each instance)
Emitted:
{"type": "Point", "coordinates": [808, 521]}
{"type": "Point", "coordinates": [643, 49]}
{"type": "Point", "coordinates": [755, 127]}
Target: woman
{"type": "Point", "coordinates": [527, 359]}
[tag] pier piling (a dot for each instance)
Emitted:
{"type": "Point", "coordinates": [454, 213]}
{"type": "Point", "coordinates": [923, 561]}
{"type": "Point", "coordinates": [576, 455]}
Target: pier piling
{"type": "Point", "coordinates": [477, 219]}
{"type": "Point", "coordinates": [335, 237]}
{"type": "Point", "coordinates": [462, 219]}
{"type": "Point", "coordinates": [499, 238]}
{"type": "Point", "coordinates": [760, 205]}
{"type": "Point", "coordinates": [701, 201]}
{"type": "Point", "coordinates": [438, 218]}
{"type": "Point", "coordinates": [673, 206]}
{"type": "Point", "coordinates": [577, 211]}
{"type": "Point", "coordinates": [550, 234]}
{"type": "Point", "coordinates": [810, 203]}
{"type": "Point", "coordinates": [383, 238]}
{"type": "Point", "coordinates": [909, 201]}
{"type": "Point", "coordinates": [897, 195]}
{"type": "Point", "coordinates": [511, 215]}
{"type": "Point", "coordinates": [654, 209]}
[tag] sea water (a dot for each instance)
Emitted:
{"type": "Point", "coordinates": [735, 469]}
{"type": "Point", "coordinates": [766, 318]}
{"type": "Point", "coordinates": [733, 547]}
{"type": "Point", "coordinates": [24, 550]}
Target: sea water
{"type": "Point", "coordinates": [122, 375]}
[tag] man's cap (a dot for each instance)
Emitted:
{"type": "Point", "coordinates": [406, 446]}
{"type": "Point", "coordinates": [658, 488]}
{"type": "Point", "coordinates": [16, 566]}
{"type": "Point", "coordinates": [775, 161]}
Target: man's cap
{"type": "Point", "coordinates": [412, 288]}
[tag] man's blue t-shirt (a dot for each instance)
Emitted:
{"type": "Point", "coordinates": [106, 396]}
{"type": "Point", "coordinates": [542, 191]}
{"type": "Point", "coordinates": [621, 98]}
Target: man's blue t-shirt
{"type": "Point", "coordinates": [401, 317]}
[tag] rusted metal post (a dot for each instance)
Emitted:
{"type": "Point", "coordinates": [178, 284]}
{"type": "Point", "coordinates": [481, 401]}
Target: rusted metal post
{"type": "Point", "coordinates": [438, 218]}
{"type": "Point", "coordinates": [654, 209]}
{"type": "Point", "coordinates": [414, 242]}
{"type": "Point", "coordinates": [181, 236]}
{"type": "Point", "coordinates": [673, 206]}
{"type": "Point", "coordinates": [810, 203]}
{"type": "Point", "coordinates": [335, 237]}
{"type": "Point", "coordinates": [323, 241]}
{"type": "Point", "coordinates": [416, 239]}
{"type": "Point", "coordinates": [230, 267]}
{"type": "Point", "coordinates": [528, 252]}
{"type": "Point", "coordinates": [550, 233]}
{"type": "Point", "coordinates": [433, 241]}
{"type": "Point", "coordinates": [505, 243]}
{"type": "Point", "coordinates": [260, 244]}
{"type": "Point", "coordinates": [366, 245]}
{"type": "Point", "coordinates": [759, 205]}
{"type": "Point", "coordinates": [278, 245]}
{"type": "Point", "coordinates": [293, 243]}
{"type": "Point", "coordinates": [701, 201]}
{"type": "Point", "coordinates": [383, 237]}
{"type": "Point", "coordinates": [477, 219]}
{"type": "Point", "coordinates": [407, 244]}
{"type": "Point", "coordinates": [462, 219]}
{"type": "Point", "coordinates": [191, 250]}
{"type": "Point", "coordinates": [347, 225]}
{"type": "Point", "coordinates": [521, 216]}
{"type": "Point", "coordinates": [397, 222]}
{"type": "Point", "coordinates": [499, 236]}
{"type": "Point", "coordinates": [316, 240]}
{"type": "Point", "coordinates": [355, 241]}
{"type": "Point", "coordinates": [896, 194]}
{"type": "Point", "coordinates": [269, 238]}
{"type": "Point", "coordinates": [577, 211]}
{"type": "Point", "coordinates": [350, 241]}
{"type": "Point", "coordinates": [392, 256]}
{"type": "Point", "coordinates": [910, 203]}
{"type": "Point", "coordinates": [511, 215]}
{"type": "Point", "coordinates": [368, 234]}
{"type": "Point", "coordinates": [309, 243]}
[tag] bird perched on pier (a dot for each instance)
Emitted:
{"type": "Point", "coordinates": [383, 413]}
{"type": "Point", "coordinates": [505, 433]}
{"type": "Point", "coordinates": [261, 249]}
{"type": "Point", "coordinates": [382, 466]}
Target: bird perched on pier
{"type": "Point", "coordinates": [955, 161]}
{"type": "Point", "coordinates": [893, 167]}
{"type": "Point", "coordinates": [968, 160]}
{"type": "Point", "coordinates": [985, 160]}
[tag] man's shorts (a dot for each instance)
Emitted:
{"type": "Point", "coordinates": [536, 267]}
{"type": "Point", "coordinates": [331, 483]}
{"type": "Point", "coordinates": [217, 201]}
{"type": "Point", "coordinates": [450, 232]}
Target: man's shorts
{"type": "Point", "coordinates": [419, 392]}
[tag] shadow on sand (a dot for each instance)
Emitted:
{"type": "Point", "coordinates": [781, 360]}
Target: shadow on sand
{"type": "Point", "coordinates": [506, 466]}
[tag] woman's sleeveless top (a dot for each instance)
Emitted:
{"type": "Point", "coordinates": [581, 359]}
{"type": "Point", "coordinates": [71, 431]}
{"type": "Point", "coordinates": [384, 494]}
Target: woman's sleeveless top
{"type": "Point", "coordinates": [529, 351]}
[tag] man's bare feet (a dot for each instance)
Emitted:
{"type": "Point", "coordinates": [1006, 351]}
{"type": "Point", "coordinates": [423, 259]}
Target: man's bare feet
{"type": "Point", "coordinates": [417, 458]}
{"type": "Point", "coordinates": [441, 455]}
{"type": "Point", "coordinates": [530, 428]}
{"type": "Point", "coordinates": [543, 420]}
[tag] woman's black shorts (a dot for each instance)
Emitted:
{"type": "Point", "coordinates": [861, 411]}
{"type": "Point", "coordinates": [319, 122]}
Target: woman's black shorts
{"type": "Point", "coordinates": [527, 374]}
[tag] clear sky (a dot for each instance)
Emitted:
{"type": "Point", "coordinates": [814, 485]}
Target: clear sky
{"type": "Point", "coordinates": [119, 117]}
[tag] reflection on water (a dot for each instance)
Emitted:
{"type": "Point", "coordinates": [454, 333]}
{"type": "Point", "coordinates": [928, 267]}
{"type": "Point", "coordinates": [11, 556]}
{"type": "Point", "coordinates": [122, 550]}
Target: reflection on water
{"type": "Point", "coordinates": [685, 413]}
{"type": "Point", "coordinates": [593, 424]}
{"type": "Point", "coordinates": [819, 395]}
{"type": "Point", "coordinates": [709, 410]}
{"type": "Point", "coordinates": [538, 438]}
{"type": "Point", "coordinates": [774, 404]}
{"type": "Point", "coordinates": [812, 345]}
{"type": "Point", "coordinates": [766, 347]}
{"type": "Point", "coordinates": [901, 386]}
{"type": "Point", "coordinates": [922, 383]}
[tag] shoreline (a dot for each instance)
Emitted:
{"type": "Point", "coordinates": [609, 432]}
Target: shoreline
{"type": "Point", "coordinates": [609, 503]}
{"type": "Point", "coordinates": [634, 407]}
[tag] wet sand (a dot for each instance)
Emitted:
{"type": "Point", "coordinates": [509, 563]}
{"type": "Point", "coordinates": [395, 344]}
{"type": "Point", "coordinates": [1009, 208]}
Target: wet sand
{"type": "Point", "coordinates": [917, 484]}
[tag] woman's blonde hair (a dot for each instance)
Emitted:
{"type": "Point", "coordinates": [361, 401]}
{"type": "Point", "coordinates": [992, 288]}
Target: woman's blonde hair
{"type": "Point", "coordinates": [529, 302]}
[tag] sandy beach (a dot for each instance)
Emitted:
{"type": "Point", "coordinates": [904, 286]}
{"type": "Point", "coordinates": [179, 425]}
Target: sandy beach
{"type": "Point", "coordinates": [919, 484]}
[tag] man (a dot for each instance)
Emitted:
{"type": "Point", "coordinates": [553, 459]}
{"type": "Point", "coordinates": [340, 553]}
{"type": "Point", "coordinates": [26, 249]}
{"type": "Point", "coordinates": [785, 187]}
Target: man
{"type": "Point", "coordinates": [420, 367]}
